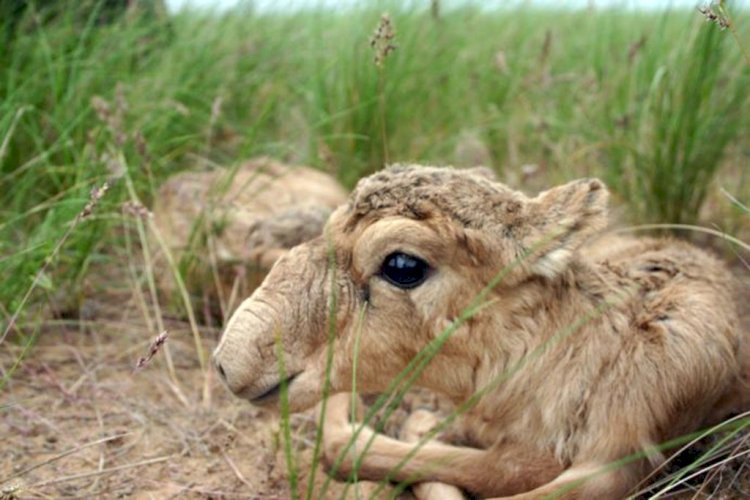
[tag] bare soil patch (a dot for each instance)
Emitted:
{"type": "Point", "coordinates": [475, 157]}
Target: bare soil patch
{"type": "Point", "coordinates": [79, 387]}
{"type": "Point", "coordinates": [78, 421]}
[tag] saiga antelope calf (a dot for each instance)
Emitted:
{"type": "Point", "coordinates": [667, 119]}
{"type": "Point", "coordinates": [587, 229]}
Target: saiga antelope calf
{"type": "Point", "coordinates": [608, 350]}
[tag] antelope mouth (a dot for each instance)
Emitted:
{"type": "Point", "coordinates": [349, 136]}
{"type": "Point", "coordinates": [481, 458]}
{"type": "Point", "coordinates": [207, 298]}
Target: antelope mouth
{"type": "Point", "coordinates": [272, 394]}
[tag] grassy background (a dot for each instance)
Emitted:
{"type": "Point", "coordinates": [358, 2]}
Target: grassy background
{"type": "Point", "coordinates": [653, 102]}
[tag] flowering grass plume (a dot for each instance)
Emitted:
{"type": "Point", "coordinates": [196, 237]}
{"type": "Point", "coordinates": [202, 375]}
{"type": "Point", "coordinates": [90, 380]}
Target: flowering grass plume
{"type": "Point", "coordinates": [713, 16]}
{"type": "Point", "coordinates": [154, 348]}
{"type": "Point", "coordinates": [382, 41]}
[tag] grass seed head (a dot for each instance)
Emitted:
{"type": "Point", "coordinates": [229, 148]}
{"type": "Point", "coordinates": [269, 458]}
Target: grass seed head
{"type": "Point", "coordinates": [155, 346]}
{"type": "Point", "coordinates": [135, 209]}
{"type": "Point", "coordinates": [94, 198]}
{"type": "Point", "coordinates": [382, 40]}
{"type": "Point", "coordinates": [712, 16]}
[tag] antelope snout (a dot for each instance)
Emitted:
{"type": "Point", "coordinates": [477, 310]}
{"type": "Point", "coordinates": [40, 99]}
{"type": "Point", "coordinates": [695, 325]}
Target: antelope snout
{"type": "Point", "coordinates": [231, 378]}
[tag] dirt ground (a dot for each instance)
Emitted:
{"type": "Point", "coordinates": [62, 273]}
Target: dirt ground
{"type": "Point", "coordinates": [77, 421]}
{"type": "Point", "coordinates": [131, 433]}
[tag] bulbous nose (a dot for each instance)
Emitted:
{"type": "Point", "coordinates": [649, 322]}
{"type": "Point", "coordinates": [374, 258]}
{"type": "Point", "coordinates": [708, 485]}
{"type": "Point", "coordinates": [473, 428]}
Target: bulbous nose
{"type": "Point", "coordinates": [234, 383]}
{"type": "Point", "coordinates": [244, 358]}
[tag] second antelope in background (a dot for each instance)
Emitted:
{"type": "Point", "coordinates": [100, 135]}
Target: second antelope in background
{"type": "Point", "coordinates": [225, 228]}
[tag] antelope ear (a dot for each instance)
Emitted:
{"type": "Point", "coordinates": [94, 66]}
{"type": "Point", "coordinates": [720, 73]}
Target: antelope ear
{"type": "Point", "coordinates": [560, 220]}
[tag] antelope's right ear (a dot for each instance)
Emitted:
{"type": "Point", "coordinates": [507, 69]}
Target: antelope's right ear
{"type": "Point", "coordinates": [560, 220]}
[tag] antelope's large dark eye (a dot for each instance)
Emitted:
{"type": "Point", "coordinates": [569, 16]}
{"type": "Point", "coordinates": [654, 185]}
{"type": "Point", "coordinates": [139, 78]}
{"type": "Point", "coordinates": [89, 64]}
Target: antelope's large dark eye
{"type": "Point", "coordinates": [403, 270]}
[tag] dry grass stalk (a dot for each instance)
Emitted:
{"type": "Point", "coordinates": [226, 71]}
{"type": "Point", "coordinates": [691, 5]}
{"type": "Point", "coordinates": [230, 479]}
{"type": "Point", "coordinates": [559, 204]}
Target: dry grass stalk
{"type": "Point", "coordinates": [135, 207]}
{"type": "Point", "coordinates": [100, 472]}
{"type": "Point", "coordinates": [645, 483]}
{"type": "Point", "coordinates": [11, 129]}
{"type": "Point", "coordinates": [215, 115]}
{"type": "Point", "coordinates": [545, 74]}
{"type": "Point", "coordinates": [713, 467]}
{"type": "Point", "coordinates": [154, 348]}
{"type": "Point", "coordinates": [636, 48]}
{"type": "Point", "coordinates": [382, 43]}
{"type": "Point", "coordinates": [113, 118]}
{"type": "Point", "coordinates": [237, 472]}
{"type": "Point", "coordinates": [215, 275]}
{"type": "Point", "coordinates": [501, 62]}
{"type": "Point", "coordinates": [62, 455]}
{"type": "Point", "coordinates": [435, 9]}
{"type": "Point", "coordinates": [182, 289]}
{"type": "Point", "coordinates": [739, 447]}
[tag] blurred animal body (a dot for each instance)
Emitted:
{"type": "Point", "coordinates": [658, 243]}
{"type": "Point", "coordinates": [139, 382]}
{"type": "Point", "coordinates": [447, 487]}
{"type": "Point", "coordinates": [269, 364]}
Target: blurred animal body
{"type": "Point", "coordinates": [240, 221]}
{"type": "Point", "coordinates": [587, 356]}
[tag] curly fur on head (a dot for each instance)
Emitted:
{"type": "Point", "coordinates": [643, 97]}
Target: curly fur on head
{"type": "Point", "coordinates": [551, 226]}
{"type": "Point", "coordinates": [469, 197]}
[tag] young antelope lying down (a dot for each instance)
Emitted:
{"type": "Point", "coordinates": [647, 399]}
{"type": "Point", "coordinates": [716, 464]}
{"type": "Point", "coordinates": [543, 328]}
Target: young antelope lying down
{"type": "Point", "coordinates": [588, 355]}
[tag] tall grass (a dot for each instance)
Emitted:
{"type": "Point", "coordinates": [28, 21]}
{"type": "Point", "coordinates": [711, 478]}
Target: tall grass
{"type": "Point", "coordinates": [677, 114]}
{"type": "Point", "coordinates": [650, 101]}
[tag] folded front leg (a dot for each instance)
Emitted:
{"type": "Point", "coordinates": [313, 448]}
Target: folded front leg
{"type": "Point", "coordinates": [502, 471]}
{"type": "Point", "coordinates": [419, 423]}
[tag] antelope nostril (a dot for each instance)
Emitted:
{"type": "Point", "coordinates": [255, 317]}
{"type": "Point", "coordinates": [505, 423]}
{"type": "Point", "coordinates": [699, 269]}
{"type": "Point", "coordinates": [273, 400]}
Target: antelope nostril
{"type": "Point", "coordinates": [220, 369]}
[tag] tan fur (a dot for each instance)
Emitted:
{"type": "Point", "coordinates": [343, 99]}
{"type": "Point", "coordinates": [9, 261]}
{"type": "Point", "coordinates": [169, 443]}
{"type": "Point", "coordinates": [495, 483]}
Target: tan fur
{"type": "Point", "coordinates": [249, 217]}
{"type": "Point", "coordinates": [592, 352]}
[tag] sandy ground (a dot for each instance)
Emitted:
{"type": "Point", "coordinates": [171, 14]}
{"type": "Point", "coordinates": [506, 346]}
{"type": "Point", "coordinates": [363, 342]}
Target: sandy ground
{"type": "Point", "coordinates": [77, 421]}
{"type": "Point", "coordinates": [131, 433]}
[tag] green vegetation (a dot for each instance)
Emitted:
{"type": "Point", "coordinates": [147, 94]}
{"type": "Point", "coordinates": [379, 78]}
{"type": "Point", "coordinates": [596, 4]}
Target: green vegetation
{"type": "Point", "coordinates": [649, 101]}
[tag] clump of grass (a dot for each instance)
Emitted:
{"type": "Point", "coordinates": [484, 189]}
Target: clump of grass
{"type": "Point", "coordinates": [681, 113]}
{"type": "Point", "coordinates": [95, 197]}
